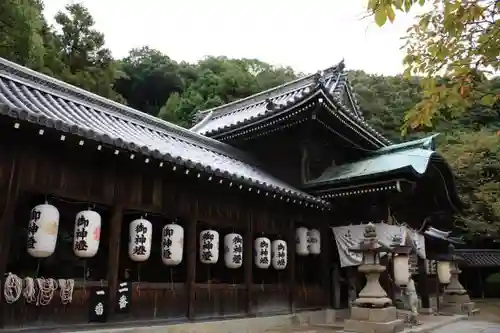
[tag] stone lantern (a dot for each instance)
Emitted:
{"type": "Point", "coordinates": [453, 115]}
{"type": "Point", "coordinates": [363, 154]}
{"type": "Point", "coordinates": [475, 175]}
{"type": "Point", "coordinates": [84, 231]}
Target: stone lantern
{"type": "Point", "coordinates": [443, 266]}
{"type": "Point", "coordinates": [372, 311]}
{"type": "Point", "coordinates": [455, 299]}
{"type": "Point", "coordinates": [401, 262]}
{"type": "Point", "coordinates": [403, 278]}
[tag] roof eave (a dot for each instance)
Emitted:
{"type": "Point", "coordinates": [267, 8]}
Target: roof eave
{"type": "Point", "coordinates": [263, 118]}
{"type": "Point", "coordinates": [23, 116]}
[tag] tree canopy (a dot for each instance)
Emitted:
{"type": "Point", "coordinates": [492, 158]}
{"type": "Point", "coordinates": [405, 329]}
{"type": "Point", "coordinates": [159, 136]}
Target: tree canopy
{"type": "Point", "coordinates": [454, 47]}
{"type": "Point", "coordinates": [451, 57]}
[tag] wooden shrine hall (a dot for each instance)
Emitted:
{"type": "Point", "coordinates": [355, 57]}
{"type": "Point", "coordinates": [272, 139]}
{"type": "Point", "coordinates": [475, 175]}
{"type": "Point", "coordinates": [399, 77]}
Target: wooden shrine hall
{"type": "Point", "coordinates": [110, 215]}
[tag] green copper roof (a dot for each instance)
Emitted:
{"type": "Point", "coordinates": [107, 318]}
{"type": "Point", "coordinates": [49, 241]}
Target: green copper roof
{"type": "Point", "coordinates": [428, 143]}
{"type": "Point", "coordinates": [413, 156]}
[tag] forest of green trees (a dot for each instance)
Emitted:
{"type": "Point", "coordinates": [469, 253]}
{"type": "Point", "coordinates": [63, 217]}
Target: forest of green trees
{"type": "Point", "coordinates": [150, 81]}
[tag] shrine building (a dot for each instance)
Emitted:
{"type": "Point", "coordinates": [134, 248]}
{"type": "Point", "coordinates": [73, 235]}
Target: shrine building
{"type": "Point", "coordinates": [112, 216]}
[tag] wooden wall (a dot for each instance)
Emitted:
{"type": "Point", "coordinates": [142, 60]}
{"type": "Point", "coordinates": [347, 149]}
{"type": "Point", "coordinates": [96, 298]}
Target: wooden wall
{"type": "Point", "coordinates": [33, 164]}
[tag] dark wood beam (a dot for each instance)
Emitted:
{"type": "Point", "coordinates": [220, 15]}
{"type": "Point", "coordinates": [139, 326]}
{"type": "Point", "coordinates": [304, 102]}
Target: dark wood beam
{"type": "Point", "coordinates": [326, 261]}
{"type": "Point", "coordinates": [191, 257]}
{"type": "Point", "coordinates": [14, 157]}
{"type": "Point", "coordinates": [291, 266]}
{"type": "Point", "coordinates": [248, 259]}
{"type": "Point", "coordinates": [114, 254]}
{"type": "Point", "coordinates": [116, 194]}
{"type": "Point", "coordinates": [423, 289]}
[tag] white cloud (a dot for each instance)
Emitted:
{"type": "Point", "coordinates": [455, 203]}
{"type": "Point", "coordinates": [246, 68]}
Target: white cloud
{"type": "Point", "coordinates": [307, 35]}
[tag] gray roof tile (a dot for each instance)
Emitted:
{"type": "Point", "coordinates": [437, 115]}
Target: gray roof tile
{"type": "Point", "coordinates": [34, 97]}
{"type": "Point", "coordinates": [480, 257]}
{"type": "Point", "coordinates": [332, 82]}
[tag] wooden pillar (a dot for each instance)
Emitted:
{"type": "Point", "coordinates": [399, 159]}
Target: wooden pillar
{"type": "Point", "coordinates": [336, 287]}
{"type": "Point", "coordinates": [114, 254]}
{"type": "Point", "coordinates": [248, 260]}
{"type": "Point", "coordinates": [7, 216]}
{"type": "Point", "coordinates": [326, 264]}
{"type": "Point", "coordinates": [191, 266]}
{"type": "Point", "coordinates": [291, 266]}
{"type": "Point", "coordinates": [480, 280]}
{"type": "Point", "coordinates": [423, 289]}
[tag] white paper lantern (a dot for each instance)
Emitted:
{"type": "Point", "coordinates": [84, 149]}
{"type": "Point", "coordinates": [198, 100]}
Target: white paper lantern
{"type": "Point", "coordinates": [209, 247]}
{"type": "Point", "coordinates": [172, 245]}
{"type": "Point", "coordinates": [87, 234]}
{"type": "Point", "coordinates": [444, 272]}
{"type": "Point", "coordinates": [43, 228]}
{"type": "Point", "coordinates": [139, 243]}
{"type": "Point", "coordinates": [401, 267]}
{"type": "Point", "coordinates": [233, 250]}
{"type": "Point", "coordinates": [301, 241]}
{"type": "Point", "coordinates": [262, 248]}
{"type": "Point", "coordinates": [314, 241]}
{"type": "Point", "coordinates": [279, 254]}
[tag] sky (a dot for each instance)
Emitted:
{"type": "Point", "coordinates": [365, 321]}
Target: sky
{"type": "Point", "coordinates": [308, 35]}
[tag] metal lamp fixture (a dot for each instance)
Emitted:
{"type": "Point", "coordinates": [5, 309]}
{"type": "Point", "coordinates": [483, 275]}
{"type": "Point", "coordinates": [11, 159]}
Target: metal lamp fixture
{"type": "Point", "coordinates": [401, 262]}
{"type": "Point", "coordinates": [444, 266]}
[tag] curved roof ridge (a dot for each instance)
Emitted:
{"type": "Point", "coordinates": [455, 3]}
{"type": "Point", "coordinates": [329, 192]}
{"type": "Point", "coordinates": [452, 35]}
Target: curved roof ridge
{"type": "Point", "coordinates": [281, 89]}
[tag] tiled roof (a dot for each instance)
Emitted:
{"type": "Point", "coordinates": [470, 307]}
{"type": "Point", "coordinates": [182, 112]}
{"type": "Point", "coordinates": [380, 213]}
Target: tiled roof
{"type": "Point", "coordinates": [331, 83]}
{"type": "Point", "coordinates": [254, 107]}
{"type": "Point", "coordinates": [480, 257]}
{"type": "Point", "coordinates": [31, 96]}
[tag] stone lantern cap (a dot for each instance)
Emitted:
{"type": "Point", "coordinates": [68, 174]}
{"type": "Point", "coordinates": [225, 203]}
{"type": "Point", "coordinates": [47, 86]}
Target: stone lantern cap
{"type": "Point", "coordinates": [370, 243]}
{"type": "Point", "coordinates": [397, 248]}
{"type": "Point", "coordinates": [450, 256]}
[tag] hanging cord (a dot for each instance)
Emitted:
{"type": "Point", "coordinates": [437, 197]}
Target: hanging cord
{"type": "Point", "coordinates": [29, 291]}
{"type": "Point", "coordinates": [66, 288]}
{"type": "Point", "coordinates": [209, 282]}
{"type": "Point", "coordinates": [303, 280]}
{"type": "Point", "coordinates": [13, 288]}
{"type": "Point", "coordinates": [138, 288]}
{"type": "Point", "coordinates": [46, 290]}
{"type": "Point", "coordinates": [85, 273]}
{"type": "Point", "coordinates": [38, 264]}
{"type": "Point", "coordinates": [172, 287]}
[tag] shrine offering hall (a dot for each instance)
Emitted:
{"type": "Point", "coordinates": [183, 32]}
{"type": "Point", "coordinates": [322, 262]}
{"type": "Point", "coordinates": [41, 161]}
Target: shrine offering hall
{"type": "Point", "coordinates": [110, 215]}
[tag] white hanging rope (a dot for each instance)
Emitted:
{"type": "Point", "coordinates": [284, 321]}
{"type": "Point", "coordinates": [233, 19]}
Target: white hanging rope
{"type": "Point", "coordinates": [13, 288]}
{"type": "Point", "coordinates": [46, 289]}
{"type": "Point", "coordinates": [29, 291]}
{"type": "Point", "coordinates": [66, 288]}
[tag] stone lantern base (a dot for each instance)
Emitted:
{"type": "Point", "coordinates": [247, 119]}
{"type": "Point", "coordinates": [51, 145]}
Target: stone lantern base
{"type": "Point", "coordinates": [373, 320]}
{"type": "Point", "coordinates": [455, 299]}
{"type": "Point", "coordinates": [457, 304]}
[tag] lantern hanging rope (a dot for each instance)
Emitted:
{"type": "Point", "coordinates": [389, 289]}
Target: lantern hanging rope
{"type": "Point", "coordinates": [66, 287]}
{"type": "Point", "coordinates": [304, 289]}
{"type": "Point", "coordinates": [29, 291]}
{"type": "Point", "coordinates": [209, 282]}
{"type": "Point", "coordinates": [84, 285]}
{"type": "Point", "coordinates": [46, 290]}
{"type": "Point", "coordinates": [138, 287]}
{"type": "Point", "coordinates": [172, 287]}
{"type": "Point", "coordinates": [13, 288]}
{"type": "Point", "coordinates": [38, 265]}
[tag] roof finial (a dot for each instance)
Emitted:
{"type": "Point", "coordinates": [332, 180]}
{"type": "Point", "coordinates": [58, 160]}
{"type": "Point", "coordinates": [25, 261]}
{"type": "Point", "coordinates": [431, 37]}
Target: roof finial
{"type": "Point", "coordinates": [341, 65]}
{"type": "Point", "coordinates": [318, 77]}
{"type": "Point", "coordinates": [270, 104]}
